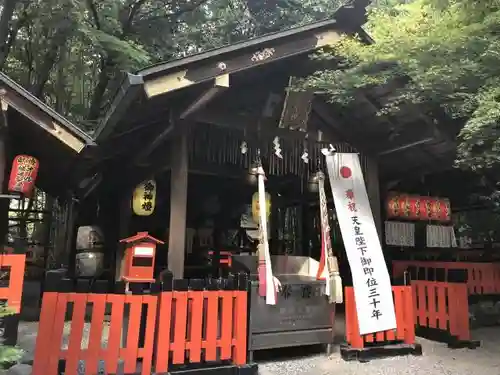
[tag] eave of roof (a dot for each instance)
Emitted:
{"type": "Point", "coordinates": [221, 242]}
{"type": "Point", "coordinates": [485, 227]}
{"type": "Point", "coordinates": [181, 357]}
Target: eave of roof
{"type": "Point", "coordinates": [32, 101]}
{"type": "Point", "coordinates": [350, 17]}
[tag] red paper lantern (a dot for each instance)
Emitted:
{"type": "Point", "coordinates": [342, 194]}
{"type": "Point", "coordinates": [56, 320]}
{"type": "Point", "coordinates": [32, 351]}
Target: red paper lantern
{"type": "Point", "coordinates": [392, 206]}
{"type": "Point", "coordinates": [446, 210]}
{"type": "Point", "coordinates": [404, 206]}
{"type": "Point", "coordinates": [414, 207]}
{"type": "Point", "coordinates": [23, 174]}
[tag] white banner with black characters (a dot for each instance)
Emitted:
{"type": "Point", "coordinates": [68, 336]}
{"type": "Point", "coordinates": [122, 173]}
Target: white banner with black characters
{"type": "Point", "coordinates": [371, 281]}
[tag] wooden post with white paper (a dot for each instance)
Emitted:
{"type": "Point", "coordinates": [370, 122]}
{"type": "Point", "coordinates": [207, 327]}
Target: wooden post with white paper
{"type": "Point", "coordinates": [371, 281]}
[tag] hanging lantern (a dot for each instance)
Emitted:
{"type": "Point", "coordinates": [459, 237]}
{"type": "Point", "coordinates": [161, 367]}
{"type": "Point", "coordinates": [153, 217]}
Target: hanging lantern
{"type": "Point", "coordinates": [23, 174]}
{"type": "Point", "coordinates": [414, 202]}
{"type": "Point", "coordinates": [404, 206]}
{"type": "Point", "coordinates": [144, 199]}
{"type": "Point", "coordinates": [256, 206]}
{"type": "Point", "coordinates": [312, 184]}
{"type": "Point", "coordinates": [392, 206]}
{"type": "Point", "coordinates": [418, 207]}
{"type": "Point", "coordinates": [446, 210]}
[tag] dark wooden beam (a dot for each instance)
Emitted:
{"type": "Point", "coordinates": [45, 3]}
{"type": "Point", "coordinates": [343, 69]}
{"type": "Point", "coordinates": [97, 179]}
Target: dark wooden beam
{"type": "Point", "coordinates": [133, 129]}
{"type": "Point", "coordinates": [249, 123]}
{"type": "Point", "coordinates": [406, 146]}
{"type": "Point", "coordinates": [43, 120]}
{"type": "Point", "coordinates": [158, 141]}
{"type": "Point", "coordinates": [4, 171]}
{"type": "Point", "coordinates": [414, 171]}
{"type": "Point", "coordinates": [209, 69]}
{"type": "Point", "coordinates": [221, 84]}
{"type": "Point", "coordinates": [340, 128]}
{"type": "Point", "coordinates": [373, 191]}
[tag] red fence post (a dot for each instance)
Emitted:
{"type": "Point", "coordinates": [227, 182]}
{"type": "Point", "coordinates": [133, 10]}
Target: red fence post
{"type": "Point", "coordinates": [404, 332]}
{"type": "Point", "coordinates": [13, 293]}
{"type": "Point", "coordinates": [447, 319]}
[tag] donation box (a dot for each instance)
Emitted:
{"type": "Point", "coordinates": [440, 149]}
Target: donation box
{"type": "Point", "coordinates": [140, 254]}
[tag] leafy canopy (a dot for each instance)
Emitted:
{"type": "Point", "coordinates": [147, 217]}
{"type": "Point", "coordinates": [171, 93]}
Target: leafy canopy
{"type": "Point", "coordinates": [71, 53]}
{"type": "Point", "coordinates": [450, 50]}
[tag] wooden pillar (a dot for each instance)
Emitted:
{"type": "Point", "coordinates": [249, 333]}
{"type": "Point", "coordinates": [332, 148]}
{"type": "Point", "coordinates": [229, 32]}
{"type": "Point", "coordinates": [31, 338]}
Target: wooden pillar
{"type": "Point", "coordinates": [125, 212]}
{"type": "Point", "coordinates": [68, 257]}
{"type": "Point", "coordinates": [4, 173]}
{"type": "Point", "coordinates": [178, 202]}
{"type": "Point", "coordinates": [373, 190]}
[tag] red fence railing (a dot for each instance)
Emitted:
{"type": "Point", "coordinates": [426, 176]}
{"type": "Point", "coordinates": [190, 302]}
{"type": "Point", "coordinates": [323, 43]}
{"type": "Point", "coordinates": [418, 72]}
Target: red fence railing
{"type": "Point", "coordinates": [13, 265]}
{"type": "Point", "coordinates": [442, 306]}
{"type": "Point", "coordinates": [405, 320]}
{"type": "Point", "coordinates": [161, 330]}
{"type": "Point", "coordinates": [482, 278]}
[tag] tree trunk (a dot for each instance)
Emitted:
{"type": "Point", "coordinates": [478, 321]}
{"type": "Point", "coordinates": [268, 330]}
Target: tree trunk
{"type": "Point", "coordinates": [58, 41]}
{"type": "Point", "coordinates": [99, 91]}
{"type": "Point", "coordinates": [7, 12]}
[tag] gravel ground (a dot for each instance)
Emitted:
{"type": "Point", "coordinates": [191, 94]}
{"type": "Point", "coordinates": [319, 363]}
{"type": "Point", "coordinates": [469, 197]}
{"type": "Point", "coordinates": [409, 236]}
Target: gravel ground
{"type": "Point", "coordinates": [436, 360]}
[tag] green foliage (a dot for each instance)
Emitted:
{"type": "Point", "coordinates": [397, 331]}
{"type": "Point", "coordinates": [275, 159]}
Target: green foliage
{"type": "Point", "coordinates": [450, 50]}
{"type": "Point", "coordinates": [70, 52]}
{"type": "Point", "coordinates": [8, 354]}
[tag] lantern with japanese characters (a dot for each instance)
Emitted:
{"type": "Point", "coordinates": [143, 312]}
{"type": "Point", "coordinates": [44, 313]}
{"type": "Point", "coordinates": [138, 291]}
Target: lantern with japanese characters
{"type": "Point", "coordinates": [23, 175]}
{"type": "Point", "coordinates": [414, 207]}
{"type": "Point", "coordinates": [140, 254]}
{"type": "Point", "coordinates": [144, 199]}
{"type": "Point", "coordinates": [392, 206]}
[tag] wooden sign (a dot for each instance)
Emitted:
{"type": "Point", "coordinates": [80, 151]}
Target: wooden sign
{"type": "Point", "coordinates": [297, 108]}
{"type": "Point", "coordinates": [144, 198]}
{"type": "Point", "coordinates": [413, 207]}
{"type": "Point", "coordinates": [23, 175]}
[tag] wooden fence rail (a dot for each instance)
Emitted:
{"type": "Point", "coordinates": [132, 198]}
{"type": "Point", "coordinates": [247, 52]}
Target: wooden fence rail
{"type": "Point", "coordinates": [14, 264]}
{"type": "Point", "coordinates": [360, 346]}
{"type": "Point", "coordinates": [442, 312]}
{"type": "Point", "coordinates": [482, 278]}
{"type": "Point", "coordinates": [178, 322]}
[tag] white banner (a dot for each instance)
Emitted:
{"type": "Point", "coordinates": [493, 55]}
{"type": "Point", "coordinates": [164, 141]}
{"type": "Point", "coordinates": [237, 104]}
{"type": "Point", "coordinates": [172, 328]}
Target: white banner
{"type": "Point", "coordinates": [371, 281]}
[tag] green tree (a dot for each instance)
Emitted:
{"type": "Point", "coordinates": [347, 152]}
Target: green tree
{"type": "Point", "coordinates": [71, 53]}
{"type": "Point", "coordinates": [442, 53]}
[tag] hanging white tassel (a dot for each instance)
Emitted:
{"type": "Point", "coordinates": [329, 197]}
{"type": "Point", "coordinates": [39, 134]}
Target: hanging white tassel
{"type": "Point", "coordinates": [244, 147]}
{"type": "Point", "coordinates": [277, 147]}
{"type": "Point", "coordinates": [333, 280]}
{"type": "Point", "coordinates": [305, 156]}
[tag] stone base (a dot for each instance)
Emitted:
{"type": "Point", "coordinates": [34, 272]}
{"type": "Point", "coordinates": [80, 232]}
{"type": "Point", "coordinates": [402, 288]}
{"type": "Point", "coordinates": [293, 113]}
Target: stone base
{"type": "Point", "coordinates": [349, 353]}
{"type": "Point", "coordinates": [445, 337]}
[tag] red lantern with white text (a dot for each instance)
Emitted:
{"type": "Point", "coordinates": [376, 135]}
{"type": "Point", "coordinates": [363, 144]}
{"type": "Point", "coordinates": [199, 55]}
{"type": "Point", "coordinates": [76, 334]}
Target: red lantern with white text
{"type": "Point", "coordinates": [23, 175]}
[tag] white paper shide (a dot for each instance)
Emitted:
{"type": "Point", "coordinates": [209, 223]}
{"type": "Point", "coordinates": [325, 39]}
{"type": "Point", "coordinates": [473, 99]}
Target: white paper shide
{"type": "Point", "coordinates": [371, 281]}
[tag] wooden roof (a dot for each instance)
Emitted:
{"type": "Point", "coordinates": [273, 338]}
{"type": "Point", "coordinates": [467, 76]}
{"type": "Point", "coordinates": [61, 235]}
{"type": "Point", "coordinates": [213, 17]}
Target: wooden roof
{"type": "Point", "coordinates": [166, 78]}
{"type": "Point", "coordinates": [36, 129]}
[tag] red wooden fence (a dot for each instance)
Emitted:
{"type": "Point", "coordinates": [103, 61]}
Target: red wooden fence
{"type": "Point", "coordinates": [202, 321]}
{"type": "Point", "coordinates": [14, 291]}
{"type": "Point", "coordinates": [483, 278]}
{"type": "Point", "coordinates": [443, 306]}
{"type": "Point", "coordinates": [177, 323]}
{"type": "Point", "coordinates": [405, 320]}
{"type": "Point", "coordinates": [51, 330]}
